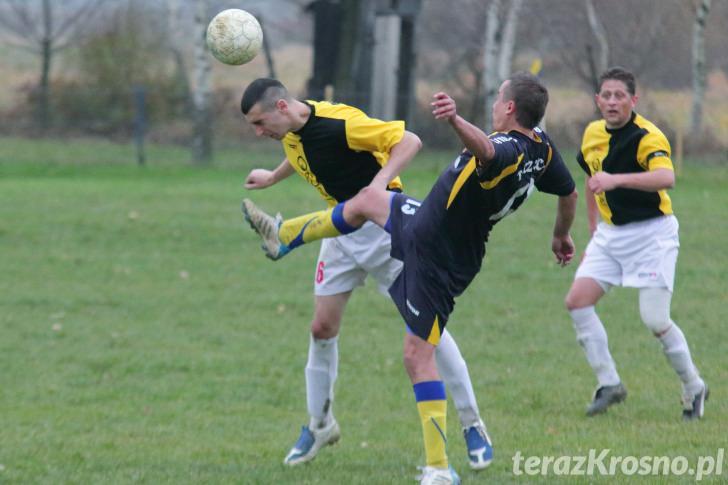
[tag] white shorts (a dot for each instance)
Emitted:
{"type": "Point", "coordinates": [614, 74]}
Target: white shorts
{"type": "Point", "coordinates": [638, 255]}
{"type": "Point", "coordinates": [345, 261]}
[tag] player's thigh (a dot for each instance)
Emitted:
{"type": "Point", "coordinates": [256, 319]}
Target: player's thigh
{"type": "Point", "coordinates": [372, 203]}
{"type": "Point", "coordinates": [328, 311]}
{"type": "Point", "coordinates": [371, 247]}
{"type": "Point", "coordinates": [337, 270]}
{"type": "Point", "coordinates": [599, 266]}
{"type": "Point", "coordinates": [651, 263]}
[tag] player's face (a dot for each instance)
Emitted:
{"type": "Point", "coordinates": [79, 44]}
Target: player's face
{"type": "Point", "coordinates": [501, 109]}
{"type": "Point", "coordinates": [273, 123]}
{"type": "Point", "coordinates": [615, 103]}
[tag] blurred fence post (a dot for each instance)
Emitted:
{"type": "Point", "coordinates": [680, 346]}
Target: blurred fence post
{"type": "Point", "coordinates": [679, 149]}
{"type": "Point", "coordinates": [140, 122]}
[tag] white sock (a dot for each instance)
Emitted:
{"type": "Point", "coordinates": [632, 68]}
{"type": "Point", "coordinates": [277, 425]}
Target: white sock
{"type": "Point", "coordinates": [592, 337]}
{"type": "Point", "coordinates": [454, 373]}
{"type": "Point", "coordinates": [321, 370]}
{"type": "Point", "coordinates": [655, 313]}
{"type": "Point", "coordinates": [678, 354]}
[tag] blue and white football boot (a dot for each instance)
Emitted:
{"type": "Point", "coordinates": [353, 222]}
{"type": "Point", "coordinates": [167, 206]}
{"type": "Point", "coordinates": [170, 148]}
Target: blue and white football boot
{"type": "Point", "coordinates": [311, 441]}
{"type": "Point", "coordinates": [480, 448]}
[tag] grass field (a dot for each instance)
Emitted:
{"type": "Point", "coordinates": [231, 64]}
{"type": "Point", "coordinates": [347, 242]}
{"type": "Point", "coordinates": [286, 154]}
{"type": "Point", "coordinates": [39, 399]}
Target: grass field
{"type": "Point", "coordinates": [144, 337]}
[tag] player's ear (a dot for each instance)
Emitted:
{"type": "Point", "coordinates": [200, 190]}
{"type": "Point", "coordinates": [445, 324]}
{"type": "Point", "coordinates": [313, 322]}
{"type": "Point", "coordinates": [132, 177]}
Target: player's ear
{"type": "Point", "coordinates": [282, 105]}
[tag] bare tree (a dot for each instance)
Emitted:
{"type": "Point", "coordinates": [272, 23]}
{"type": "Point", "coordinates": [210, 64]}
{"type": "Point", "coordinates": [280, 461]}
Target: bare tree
{"type": "Point", "coordinates": [598, 66]}
{"type": "Point", "coordinates": [699, 68]}
{"type": "Point", "coordinates": [500, 40]}
{"type": "Point", "coordinates": [508, 41]}
{"type": "Point", "coordinates": [56, 30]}
{"type": "Point", "coordinates": [637, 34]}
{"type": "Point", "coordinates": [202, 93]}
{"type": "Point", "coordinates": [175, 41]}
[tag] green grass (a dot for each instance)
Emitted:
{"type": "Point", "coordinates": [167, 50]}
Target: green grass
{"type": "Point", "coordinates": [145, 338]}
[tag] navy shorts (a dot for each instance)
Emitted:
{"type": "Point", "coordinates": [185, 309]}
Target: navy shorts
{"type": "Point", "coordinates": [420, 290]}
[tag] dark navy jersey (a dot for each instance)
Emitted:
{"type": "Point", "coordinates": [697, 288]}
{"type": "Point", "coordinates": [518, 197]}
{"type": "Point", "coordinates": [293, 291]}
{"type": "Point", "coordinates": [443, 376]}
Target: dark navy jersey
{"type": "Point", "coordinates": [469, 198]}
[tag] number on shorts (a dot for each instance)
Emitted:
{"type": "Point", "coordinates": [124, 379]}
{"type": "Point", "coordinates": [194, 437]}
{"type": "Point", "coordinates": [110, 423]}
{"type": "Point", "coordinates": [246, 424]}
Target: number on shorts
{"type": "Point", "coordinates": [320, 272]}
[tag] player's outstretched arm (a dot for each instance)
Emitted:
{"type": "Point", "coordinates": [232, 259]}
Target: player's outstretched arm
{"type": "Point", "coordinates": [562, 245]}
{"type": "Point", "coordinates": [399, 156]}
{"type": "Point", "coordinates": [259, 178]}
{"type": "Point", "coordinates": [474, 139]}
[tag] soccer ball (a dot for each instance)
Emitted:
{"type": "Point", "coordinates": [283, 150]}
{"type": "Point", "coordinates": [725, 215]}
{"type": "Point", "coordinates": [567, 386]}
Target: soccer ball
{"type": "Point", "coordinates": [234, 36]}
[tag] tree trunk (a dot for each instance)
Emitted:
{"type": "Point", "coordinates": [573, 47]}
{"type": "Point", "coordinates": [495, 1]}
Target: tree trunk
{"type": "Point", "coordinates": [699, 68]}
{"type": "Point", "coordinates": [346, 71]}
{"type": "Point", "coordinates": [407, 63]}
{"type": "Point", "coordinates": [44, 114]}
{"type": "Point", "coordinates": [327, 21]}
{"type": "Point", "coordinates": [602, 62]}
{"type": "Point", "coordinates": [267, 50]}
{"type": "Point", "coordinates": [490, 63]}
{"type": "Point", "coordinates": [182, 90]}
{"type": "Point", "coordinates": [202, 95]}
{"type": "Point", "coordinates": [509, 40]}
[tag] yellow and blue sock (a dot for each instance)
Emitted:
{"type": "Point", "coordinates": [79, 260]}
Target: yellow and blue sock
{"type": "Point", "coordinates": [314, 226]}
{"type": "Point", "coordinates": [432, 406]}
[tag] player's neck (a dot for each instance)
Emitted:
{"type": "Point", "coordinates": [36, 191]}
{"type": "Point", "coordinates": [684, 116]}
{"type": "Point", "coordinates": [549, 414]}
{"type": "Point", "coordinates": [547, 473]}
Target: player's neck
{"type": "Point", "coordinates": [300, 114]}
{"type": "Point", "coordinates": [514, 126]}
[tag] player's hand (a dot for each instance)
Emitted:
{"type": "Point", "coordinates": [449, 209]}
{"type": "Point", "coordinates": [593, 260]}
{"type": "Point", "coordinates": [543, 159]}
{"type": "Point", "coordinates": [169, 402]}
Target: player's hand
{"type": "Point", "coordinates": [443, 106]}
{"type": "Point", "coordinates": [259, 178]}
{"type": "Point", "coordinates": [563, 248]}
{"type": "Point", "coordinates": [602, 182]}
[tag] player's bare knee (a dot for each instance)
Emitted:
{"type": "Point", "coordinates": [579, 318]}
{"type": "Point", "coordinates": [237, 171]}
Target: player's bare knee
{"type": "Point", "coordinates": [355, 209]}
{"type": "Point", "coordinates": [411, 359]}
{"type": "Point", "coordinates": [574, 302]}
{"type": "Point", "coordinates": [324, 328]}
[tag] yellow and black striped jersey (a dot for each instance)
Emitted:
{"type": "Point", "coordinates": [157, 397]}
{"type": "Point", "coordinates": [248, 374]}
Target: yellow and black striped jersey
{"type": "Point", "coordinates": [638, 146]}
{"type": "Point", "coordinates": [340, 149]}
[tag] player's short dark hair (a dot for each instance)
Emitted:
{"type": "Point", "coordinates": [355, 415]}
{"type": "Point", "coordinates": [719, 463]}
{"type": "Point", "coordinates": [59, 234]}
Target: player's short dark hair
{"type": "Point", "coordinates": [530, 97]}
{"type": "Point", "coordinates": [618, 73]}
{"type": "Point", "coordinates": [265, 91]}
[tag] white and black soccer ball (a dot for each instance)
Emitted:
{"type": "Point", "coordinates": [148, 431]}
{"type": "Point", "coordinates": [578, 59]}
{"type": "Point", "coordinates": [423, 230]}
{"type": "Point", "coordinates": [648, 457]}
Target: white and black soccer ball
{"type": "Point", "coordinates": [234, 36]}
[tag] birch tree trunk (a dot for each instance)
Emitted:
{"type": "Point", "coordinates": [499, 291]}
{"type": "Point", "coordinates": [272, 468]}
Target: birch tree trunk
{"type": "Point", "coordinates": [500, 42]}
{"type": "Point", "coordinates": [509, 40]}
{"type": "Point", "coordinates": [490, 63]}
{"type": "Point", "coordinates": [600, 34]}
{"type": "Point", "coordinates": [699, 68]}
{"type": "Point", "coordinates": [201, 95]}
{"type": "Point", "coordinates": [182, 81]}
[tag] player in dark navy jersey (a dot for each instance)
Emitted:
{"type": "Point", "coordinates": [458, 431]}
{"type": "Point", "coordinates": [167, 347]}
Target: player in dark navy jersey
{"type": "Point", "coordinates": [442, 240]}
{"type": "Point", "coordinates": [338, 150]}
